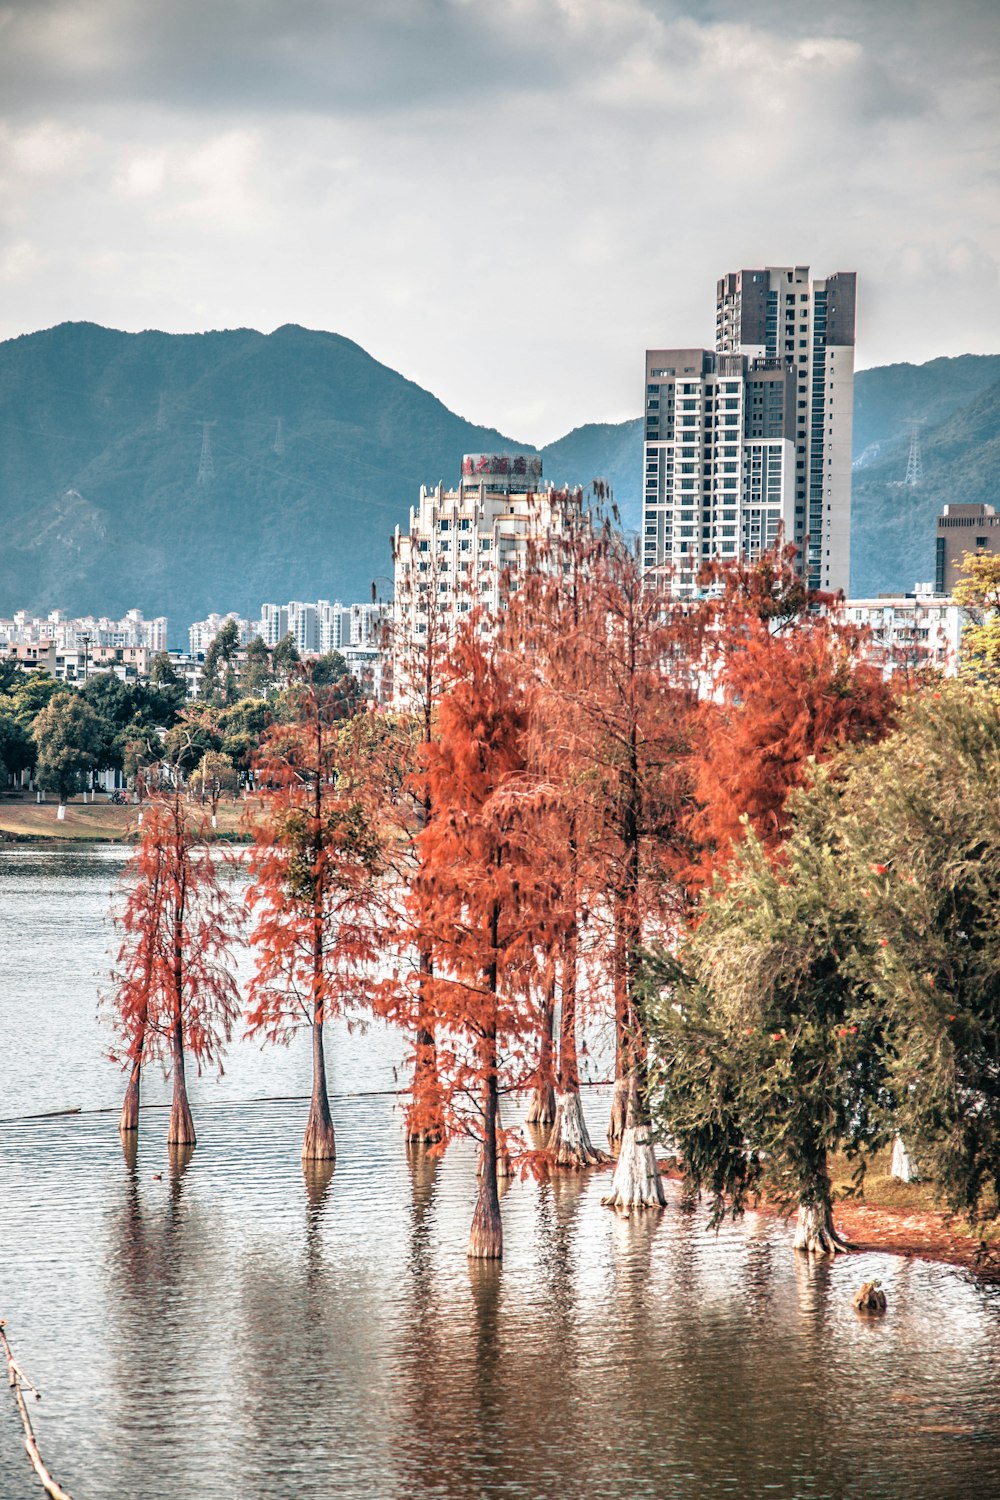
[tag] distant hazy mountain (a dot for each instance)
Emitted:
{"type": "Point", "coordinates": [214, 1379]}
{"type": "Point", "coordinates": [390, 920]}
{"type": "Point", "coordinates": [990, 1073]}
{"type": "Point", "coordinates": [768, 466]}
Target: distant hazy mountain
{"type": "Point", "coordinates": [611, 451]}
{"type": "Point", "coordinates": [317, 451]}
{"type": "Point", "coordinates": [892, 535]}
{"type": "Point", "coordinates": [889, 398]}
{"type": "Point", "coordinates": [100, 505]}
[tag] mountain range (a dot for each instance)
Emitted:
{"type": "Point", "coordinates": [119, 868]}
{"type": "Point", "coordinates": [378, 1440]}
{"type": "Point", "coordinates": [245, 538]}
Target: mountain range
{"type": "Point", "coordinates": [181, 473]}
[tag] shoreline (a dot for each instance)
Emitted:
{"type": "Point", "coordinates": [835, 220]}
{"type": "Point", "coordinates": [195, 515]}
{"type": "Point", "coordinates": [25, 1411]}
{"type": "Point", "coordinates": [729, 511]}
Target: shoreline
{"type": "Point", "coordinates": [913, 1231]}
{"type": "Point", "coordinates": [32, 823]}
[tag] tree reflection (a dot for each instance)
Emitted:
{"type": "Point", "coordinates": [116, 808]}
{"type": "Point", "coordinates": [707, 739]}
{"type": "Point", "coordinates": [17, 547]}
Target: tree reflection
{"type": "Point", "coordinates": [318, 1176]}
{"type": "Point", "coordinates": [153, 1267]}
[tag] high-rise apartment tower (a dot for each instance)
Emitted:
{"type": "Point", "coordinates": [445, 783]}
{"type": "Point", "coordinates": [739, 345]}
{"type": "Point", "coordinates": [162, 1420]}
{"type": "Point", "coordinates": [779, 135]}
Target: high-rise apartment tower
{"type": "Point", "coordinates": [753, 439]}
{"type": "Point", "coordinates": [779, 313]}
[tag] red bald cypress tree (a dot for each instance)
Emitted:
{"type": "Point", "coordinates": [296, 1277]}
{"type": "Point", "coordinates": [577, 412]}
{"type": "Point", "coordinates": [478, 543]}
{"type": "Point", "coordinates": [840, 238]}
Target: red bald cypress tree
{"type": "Point", "coordinates": [423, 629]}
{"type": "Point", "coordinates": [615, 660]}
{"type": "Point", "coordinates": [545, 634]}
{"type": "Point", "coordinates": [483, 899]}
{"type": "Point", "coordinates": [313, 865]}
{"type": "Point", "coordinates": [174, 992]}
{"type": "Point", "coordinates": [791, 686]}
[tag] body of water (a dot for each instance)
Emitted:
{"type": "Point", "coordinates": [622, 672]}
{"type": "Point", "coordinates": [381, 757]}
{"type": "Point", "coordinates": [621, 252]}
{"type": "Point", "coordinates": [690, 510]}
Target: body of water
{"type": "Point", "coordinates": [226, 1326]}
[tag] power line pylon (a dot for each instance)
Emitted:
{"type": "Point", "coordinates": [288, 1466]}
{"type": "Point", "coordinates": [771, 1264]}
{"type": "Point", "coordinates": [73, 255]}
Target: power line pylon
{"type": "Point", "coordinates": [914, 464]}
{"type": "Point", "coordinates": [161, 414]}
{"type": "Point", "coordinates": [206, 466]}
{"type": "Point", "coordinates": [278, 446]}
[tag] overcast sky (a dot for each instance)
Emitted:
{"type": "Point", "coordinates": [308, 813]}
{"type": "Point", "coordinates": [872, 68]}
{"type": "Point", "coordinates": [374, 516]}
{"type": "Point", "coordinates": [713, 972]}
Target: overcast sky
{"type": "Point", "coordinates": [506, 200]}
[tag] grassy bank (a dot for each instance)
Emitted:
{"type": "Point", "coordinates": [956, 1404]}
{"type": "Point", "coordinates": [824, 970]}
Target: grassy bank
{"type": "Point", "coordinates": [91, 822]}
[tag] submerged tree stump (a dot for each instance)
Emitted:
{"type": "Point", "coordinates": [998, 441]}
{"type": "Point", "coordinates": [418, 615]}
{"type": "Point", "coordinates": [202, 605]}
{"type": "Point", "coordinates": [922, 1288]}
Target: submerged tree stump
{"type": "Point", "coordinates": [870, 1298]}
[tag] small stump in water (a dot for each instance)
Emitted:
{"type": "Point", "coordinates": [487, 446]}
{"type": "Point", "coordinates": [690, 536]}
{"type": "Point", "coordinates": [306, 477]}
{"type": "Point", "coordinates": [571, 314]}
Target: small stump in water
{"type": "Point", "coordinates": [870, 1298]}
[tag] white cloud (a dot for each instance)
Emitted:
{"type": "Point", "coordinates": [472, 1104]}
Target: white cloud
{"type": "Point", "coordinates": [505, 201]}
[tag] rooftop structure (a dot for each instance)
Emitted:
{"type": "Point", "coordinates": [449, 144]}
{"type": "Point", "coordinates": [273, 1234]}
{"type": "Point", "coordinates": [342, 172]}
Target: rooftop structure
{"type": "Point", "coordinates": [962, 529]}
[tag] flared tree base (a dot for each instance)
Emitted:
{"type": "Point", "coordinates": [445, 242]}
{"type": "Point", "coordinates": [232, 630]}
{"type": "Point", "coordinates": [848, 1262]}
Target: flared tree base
{"type": "Point", "coordinates": [637, 1182]}
{"type": "Point", "coordinates": [903, 1167]}
{"type": "Point", "coordinates": [542, 1106]}
{"type": "Point", "coordinates": [128, 1120]}
{"type": "Point", "coordinates": [814, 1232]}
{"type": "Point", "coordinates": [486, 1234]}
{"type": "Point", "coordinates": [181, 1129]}
{"type": "Point", "coordinates": [424, 1135]}
{"type": "Point", "coordinates": [570, 1145]}
{"type": "Point", "coordinates": [319, 1143]}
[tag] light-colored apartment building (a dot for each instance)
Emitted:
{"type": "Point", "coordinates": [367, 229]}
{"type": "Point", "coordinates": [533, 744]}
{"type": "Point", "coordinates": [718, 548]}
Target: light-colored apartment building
{"type": "Point", "coordinates": [69, 633]}
{"type": "Point", "coordinates": [781, 313]}
{"type": "Point", "coordinates": [910, 631]}
{"type": "Point", "coordinates": [719, 459]}
{"type": "Point", "coordinates": [202, 633]}
{"type": "Point", "coordinates": [753, 439]}
{"type": "Point", "coordinates": [459, 544]}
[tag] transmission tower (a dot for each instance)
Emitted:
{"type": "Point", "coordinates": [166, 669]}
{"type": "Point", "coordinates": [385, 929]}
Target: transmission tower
{"type": "Point", "coordinates": [278, 446]}
{"type": "Point", "coordinates": [161, 415]}
{"type": "Point", "coordinates": [914, 465]}
{"type": "Point", "coordinates": [206, 468]}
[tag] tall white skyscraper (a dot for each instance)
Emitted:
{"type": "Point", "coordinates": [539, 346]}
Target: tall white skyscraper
{"type": "Point", "coordinates": [779, 313]}
{"type": "Point", "coordinates": [752, 440]}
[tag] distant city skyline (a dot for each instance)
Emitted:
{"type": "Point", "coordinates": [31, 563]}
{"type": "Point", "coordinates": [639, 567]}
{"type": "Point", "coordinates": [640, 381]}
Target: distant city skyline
{"type": "Point", "coordinates": [554, 184]}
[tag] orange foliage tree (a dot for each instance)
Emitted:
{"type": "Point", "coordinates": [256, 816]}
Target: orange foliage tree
{"type": "Point", "coordinates": [173, 986]}
{"type": "Point", "coordinates": [313, 865]}
{"type": "Point", "coordinates": [423, 630]}
{"type": "Point", "coordinates": [484, 900]}
{"type": "Point", "coordinates": [542, 632]}
{"type": "Point", "coordinates": [789, 686]}
{"type": "Point", "coordinates": [615, 661]}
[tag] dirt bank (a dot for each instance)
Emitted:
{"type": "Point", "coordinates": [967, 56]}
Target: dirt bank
{"type": "Point", "coordinates": [24, 822]}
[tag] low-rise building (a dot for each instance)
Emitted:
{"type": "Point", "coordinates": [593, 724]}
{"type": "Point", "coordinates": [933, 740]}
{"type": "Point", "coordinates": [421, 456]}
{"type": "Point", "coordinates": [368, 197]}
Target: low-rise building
{"type": "Point", "coordinates": [910, 631]}
{"type": "Point", "coordinates": [77, 664]}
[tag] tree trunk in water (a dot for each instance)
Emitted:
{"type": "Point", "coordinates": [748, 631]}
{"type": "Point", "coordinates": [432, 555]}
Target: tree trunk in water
{"type": "Point", "coordinates": [636, 1182]}
{"type": "Point", "coordinates": [424, 1117]}
{"type": "Point", "coordinates": [424, 1124]}
{"type": "Point", "coordinates": [570, 1144]}
{"type": "Point", "coordinates": [620, 1094]}
{"type": "Point", "coordinates": [542, 1104]}
{"type": "Point", "coordinates": [814, 1231]}
{"type": "Point", "coordinates": [619, 1110]}
{"type": "Point", "coordinates": [486, 1234]}
{"type": "Point", "coordinates": [318, 1144]}
{"type": "Point", "coordinates": [129, 1117]}
{"type": "Point", "coordinates": [181, 1131]}
{"type": "Point", "coordinates": [903, 1168]}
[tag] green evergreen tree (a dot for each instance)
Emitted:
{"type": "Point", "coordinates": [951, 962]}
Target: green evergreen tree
{"type": "Point", "coordinates": [285, 656]}
{"type": "Point", "coordinates": [167, 683]}
{"type": "Point", "coordinates": [771, 1051]}
{"type": "Point", "coordinates": [922, 817]}
{"type": "Point", "coordinates": [17, 748]}
{"type": "Point", "coordinates": [68, 734]}
{"type": "Point", "coordinates": [257, 676]}
{"type": "Point", "coordinates": [219, 678]}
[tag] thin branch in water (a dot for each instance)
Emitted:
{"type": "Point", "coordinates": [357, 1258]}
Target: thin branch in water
{"type": "Point", "coordinates": [19, 1383]}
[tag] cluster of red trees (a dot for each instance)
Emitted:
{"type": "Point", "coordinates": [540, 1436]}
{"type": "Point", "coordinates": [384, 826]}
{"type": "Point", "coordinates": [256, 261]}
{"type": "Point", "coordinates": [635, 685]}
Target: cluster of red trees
{"type": "Point", "coordinates": [556, 791]}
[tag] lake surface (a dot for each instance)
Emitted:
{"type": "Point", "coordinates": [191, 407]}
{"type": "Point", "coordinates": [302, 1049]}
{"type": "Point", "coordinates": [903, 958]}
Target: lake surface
{"type": "Point", "coordinates": [227, 1327]}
